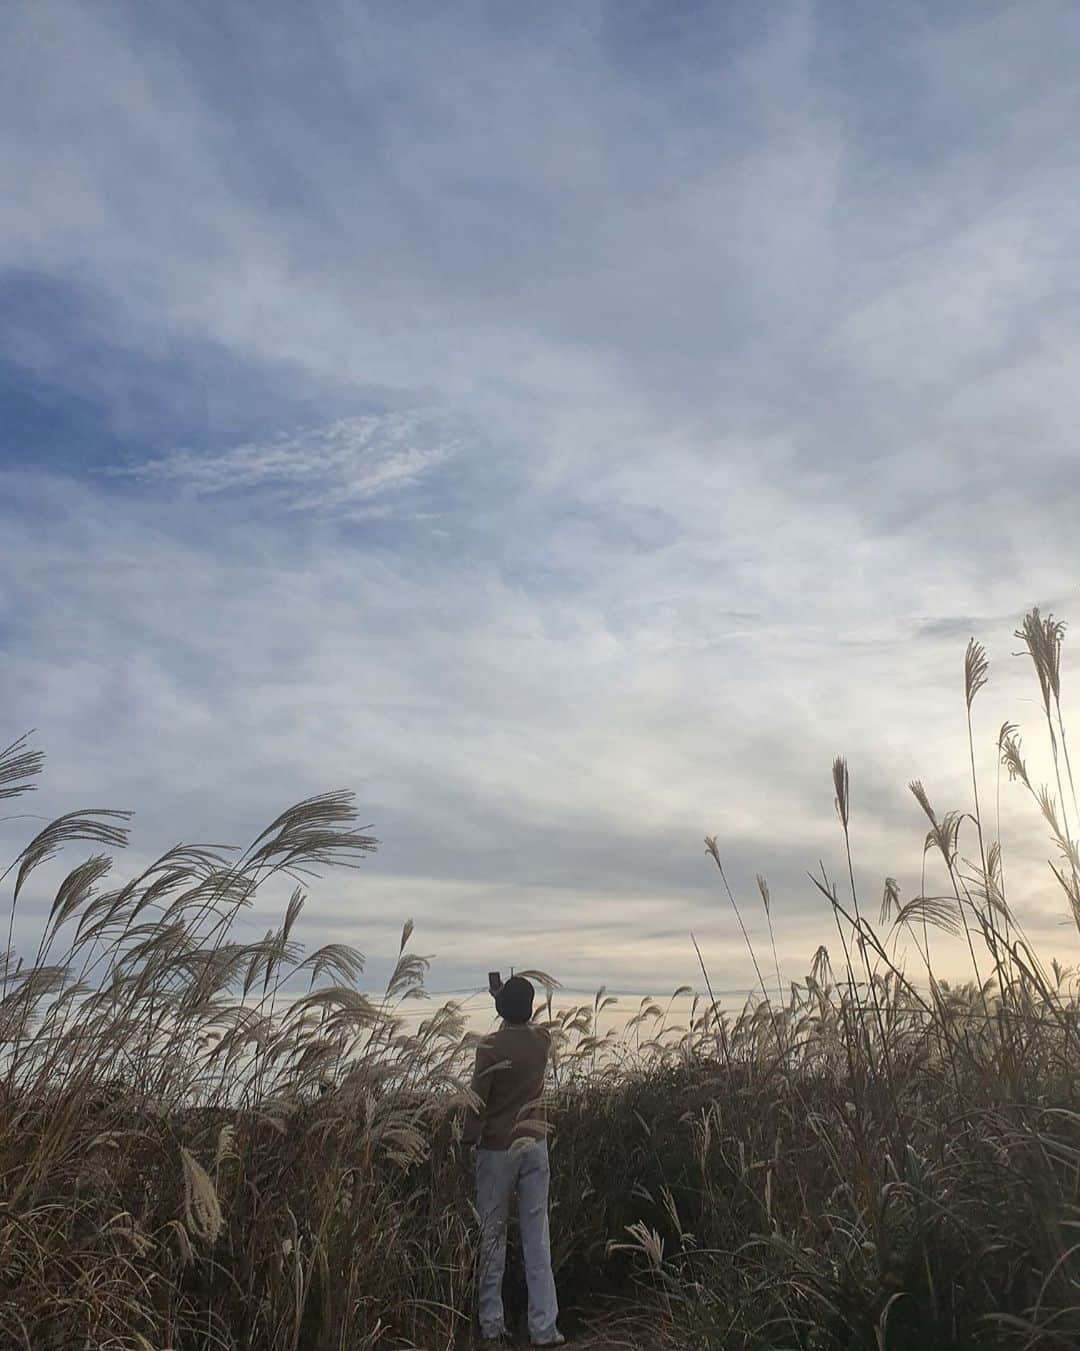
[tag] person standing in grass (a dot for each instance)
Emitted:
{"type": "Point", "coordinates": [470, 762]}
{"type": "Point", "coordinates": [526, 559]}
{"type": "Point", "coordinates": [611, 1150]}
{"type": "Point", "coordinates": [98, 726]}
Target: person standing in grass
{"type": "Point", "coordinates": [509, 1131]}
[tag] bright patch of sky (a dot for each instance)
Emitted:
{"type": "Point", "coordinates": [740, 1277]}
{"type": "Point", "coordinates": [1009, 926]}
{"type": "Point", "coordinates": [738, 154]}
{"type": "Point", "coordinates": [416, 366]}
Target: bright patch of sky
{"type": "Point", "coordinates": [568, 426]}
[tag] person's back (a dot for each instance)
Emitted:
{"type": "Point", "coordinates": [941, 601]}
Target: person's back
{"type": "Point", "coordinates": [509, 1077]}
{"type": "Point", "coordinates": [510, 1132]}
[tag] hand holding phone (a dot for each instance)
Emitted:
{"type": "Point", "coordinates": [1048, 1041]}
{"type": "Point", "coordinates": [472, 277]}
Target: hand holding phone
{"type": "Point", "coordinates": [494, 982]}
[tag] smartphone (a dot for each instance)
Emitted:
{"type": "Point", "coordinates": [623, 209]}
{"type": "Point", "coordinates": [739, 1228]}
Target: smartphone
{"type": "Point", "coordinates": [494, 982]}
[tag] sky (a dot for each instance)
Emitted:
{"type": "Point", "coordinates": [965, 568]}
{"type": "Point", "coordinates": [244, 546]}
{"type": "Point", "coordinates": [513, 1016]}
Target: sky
{"type": "Point", "coordinates": [568, 427]}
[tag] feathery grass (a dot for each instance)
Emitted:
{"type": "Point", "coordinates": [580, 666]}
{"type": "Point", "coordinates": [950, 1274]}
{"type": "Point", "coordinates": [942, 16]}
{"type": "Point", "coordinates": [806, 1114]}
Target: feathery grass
{"type": "Point", "coordinates": [214, 1141]}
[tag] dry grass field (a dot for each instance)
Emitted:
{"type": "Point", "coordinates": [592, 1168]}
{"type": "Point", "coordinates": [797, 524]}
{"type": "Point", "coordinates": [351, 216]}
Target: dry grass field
{"type": "Point", "coordinates": [209, 1143]}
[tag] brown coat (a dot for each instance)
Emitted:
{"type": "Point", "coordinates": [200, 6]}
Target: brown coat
{"type": "Point", "coordinates": [509, 1081]}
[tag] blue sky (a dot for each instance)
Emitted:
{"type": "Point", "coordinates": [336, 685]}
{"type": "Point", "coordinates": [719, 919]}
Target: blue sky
{"type": "Point", "coordinates": [568, 426]}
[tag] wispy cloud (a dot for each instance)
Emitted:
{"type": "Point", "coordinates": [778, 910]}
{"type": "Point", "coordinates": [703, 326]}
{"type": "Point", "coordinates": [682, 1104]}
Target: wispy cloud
{"type": "Point", "coordinates": [344, 464]}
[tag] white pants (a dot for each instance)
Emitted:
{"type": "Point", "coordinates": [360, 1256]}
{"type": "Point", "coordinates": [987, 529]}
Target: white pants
{"type": "Point", "coordinates": [522, 1170]}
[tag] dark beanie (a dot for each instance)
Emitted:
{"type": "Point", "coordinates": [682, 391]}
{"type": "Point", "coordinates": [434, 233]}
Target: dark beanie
{"type": "Point", "coordinates": [514, 1001]}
